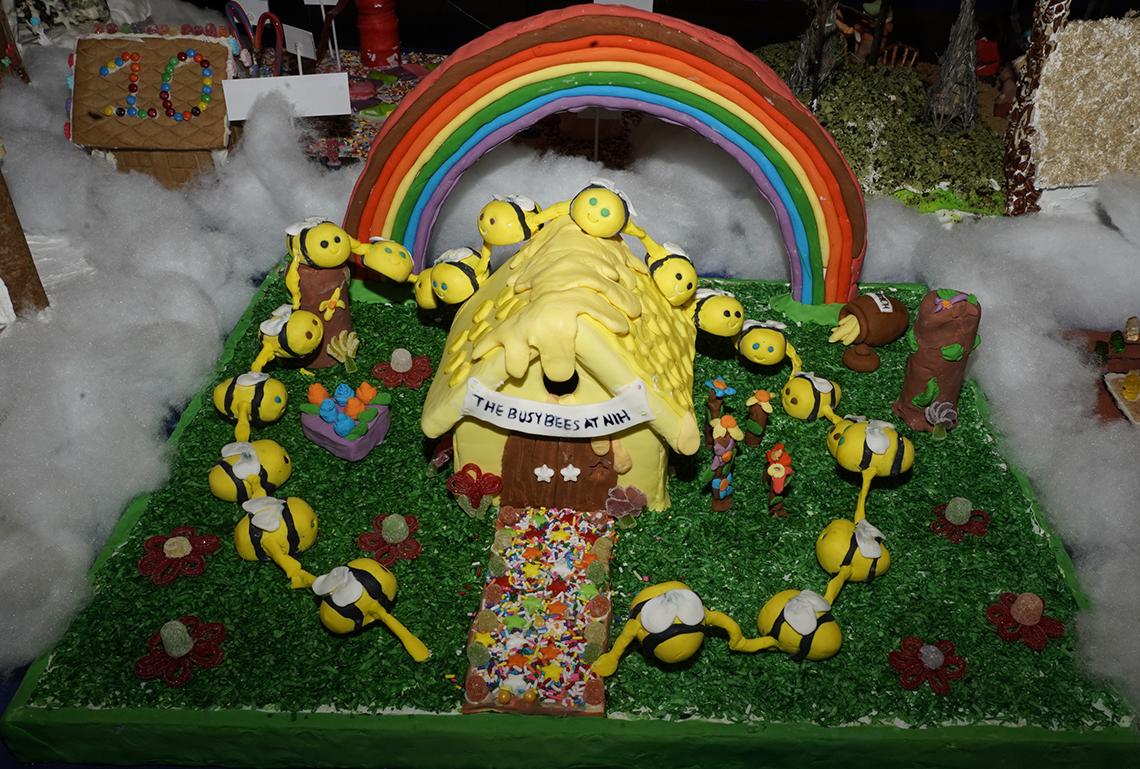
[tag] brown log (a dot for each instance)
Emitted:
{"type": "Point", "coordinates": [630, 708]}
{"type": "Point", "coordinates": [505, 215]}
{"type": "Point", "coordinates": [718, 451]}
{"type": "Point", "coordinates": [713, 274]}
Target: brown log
{"type": "Point", "coordinates": [317, 285]}
{"type": "Point", "coordinates": [939, 324]}
{"type": "Point", "coordinates": [17, 269]}
{"type": "Point", "coordinates": [757, 414]}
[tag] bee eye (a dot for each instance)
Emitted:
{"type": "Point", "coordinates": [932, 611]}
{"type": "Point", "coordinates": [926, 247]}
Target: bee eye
{"type": "Point", "coordinates": [387, 249]}
{"type": "Point", "coordinates": [605, 212]}
{"type": "Point", "coordinates": [435, 283]}
{"type": "Point", "coordinates": [787, 391]}
{"type": "Point", "coordinates": [308, 334]}
{"type": "Point", "coordinates": [592, 201]}
{"type": "Point", "coordinates": [277, 399]}
{"type": "Point", "coordinates": [286, 459]}
{"type": "Point", "coordinates": [443, 286]}
{"type": "Point", "coordinates": [756, 346]}
{"type": "Point", "coordinates": [679, 276]}
{"type": "Point", "coordinates": [727, 314]}
{"type": "Point", "coordinates": [771, 349]}
{"type": "Point", "coordinates": [688, 285]}
{"type": "Point", "coordinates": [738, 313]}
{"type": "Point", "coordinates": [336, 239]}
{"type": "Point", "coordinates": [492, 222]}
{"type": "Point", "coordinates": [324, 244]}
{"type": "Point", "coordinates": [794, 401]}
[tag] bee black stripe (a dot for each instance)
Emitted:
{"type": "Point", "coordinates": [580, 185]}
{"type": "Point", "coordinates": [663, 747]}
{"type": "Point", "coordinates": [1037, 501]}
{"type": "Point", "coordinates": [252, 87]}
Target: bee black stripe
{"type": "Point", "coordinates": [228, 400]}
{"type": "Point", "coordinates": [469, 271]}
{"type": "Point", "coordinates": [372, 586]}
{"type": "Point", "coordinates": [352, 612]}
{"type": "Point", "coordinates": [522, 219]}
{"type": "Point", "coordinates": [850, 552]}
{"type": "Point", "coordinates": [292, 536]}
{"type": "Point", "coordinates": [653, 640]}
{"type": "Point", "coordinates": [805, 641]}
{"type": "Point", "coordinates": [255, 539]}
{"type": "Point", "coordinates": [817, 401]}
{"type": "Point", "coordinates": [656, 265]}
{"type": "Point", "coordinates": [283, 341]}
{"type": "Point", "coordinates": [896, 464]}
{"type": "Point", "coordinates": [865, 462]}
{"type": "Point", "coordinates": [255, 403]}
{"type": "Point", "coordinates": [301, 239]}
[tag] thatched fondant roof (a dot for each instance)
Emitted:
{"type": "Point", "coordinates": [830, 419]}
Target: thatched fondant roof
{"type": "Point", "coordinates": [573, 302]}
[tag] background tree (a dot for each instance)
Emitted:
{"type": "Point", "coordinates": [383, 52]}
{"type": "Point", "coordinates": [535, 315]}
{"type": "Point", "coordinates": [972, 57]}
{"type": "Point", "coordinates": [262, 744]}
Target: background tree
{"type": "Point", "coordinates": [821, 47]}
{"type": "Point", "coordinates": [1021, 192]}
{"type": "Point", "coordinates": [954, 99]}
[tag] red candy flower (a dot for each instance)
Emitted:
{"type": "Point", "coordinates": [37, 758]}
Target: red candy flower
{"type": "Point", "coordinates": [180, 646]}
{"type": "Point", "coordinates": [391, 539]}
{"type": "Point", "coordinates": [180, 552]}
{"type": "Point", "coordinates": [918, 662]}
{"type": "Point", "coordinates": [957, 518]}
{"type": "Point", "coordinates": [473, 483]}
{"type": "Point", "coordinates": [1022, 618]}
{"type": "Point", "coordinates": [403, 369]}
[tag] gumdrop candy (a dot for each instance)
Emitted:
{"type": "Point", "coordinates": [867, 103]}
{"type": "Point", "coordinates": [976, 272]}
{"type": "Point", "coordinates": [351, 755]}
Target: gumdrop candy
{"type": "Point", "coordinates": [344, 425]}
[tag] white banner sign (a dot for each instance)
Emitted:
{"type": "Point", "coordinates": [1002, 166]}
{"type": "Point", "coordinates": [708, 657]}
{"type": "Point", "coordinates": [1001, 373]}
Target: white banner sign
{"type": "Point", "coordinates": [628, 408]}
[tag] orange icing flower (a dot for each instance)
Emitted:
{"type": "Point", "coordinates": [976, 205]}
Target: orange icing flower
{"type": "Point", "coordinates": [366, 392]}
{"type": "Point", "coordinates": [318, 394]}
{"type": "Point", "coordinates": [354, 407]}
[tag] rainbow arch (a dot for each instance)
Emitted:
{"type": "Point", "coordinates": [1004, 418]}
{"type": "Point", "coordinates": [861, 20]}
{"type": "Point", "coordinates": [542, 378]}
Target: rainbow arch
{"type": "Point", "coordinates": [619, 58]}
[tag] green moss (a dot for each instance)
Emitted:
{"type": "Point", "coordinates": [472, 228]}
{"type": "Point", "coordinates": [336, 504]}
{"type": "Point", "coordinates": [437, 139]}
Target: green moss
{"type": "Point", "coordinates": [279, 657]}
{"type": "Point", "coordinates": [875, 116]}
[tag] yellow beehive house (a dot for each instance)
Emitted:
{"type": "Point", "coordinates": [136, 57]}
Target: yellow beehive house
{"type": "Point", "coordinates": [567, 373]}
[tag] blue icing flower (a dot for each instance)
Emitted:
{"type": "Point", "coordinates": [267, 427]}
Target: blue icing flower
{"type": "Point", "coordinates": [329, 411]}
{"type": "Point", "coordinates": [344, 425]}
{"type": "Point", "coordinates": [343, 393]}
{"type": "Point", "coordinates": [720, 387]}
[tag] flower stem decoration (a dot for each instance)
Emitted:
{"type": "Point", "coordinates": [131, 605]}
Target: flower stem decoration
{"type": "Point", "coordinates": [180, 553]}
{"type": "Point", "coordinates": [180, 646]}
{"type": "Point", "coordinates": [725, 434]}
{"type": "Point", "coordinates": [918, 662]}
{"type": "Point", "coordinates": [343, 347]}
{"type": "Point", "coordinates": [714, 403]}
{"type": "Point", "coordinates": [776, 476]}
{"type": "Point", "coordinates": [759, 407]}
{"type": "Point", "coordinates": [1022, 618]}
{"type": "Point", "coordinates": [474, 489]}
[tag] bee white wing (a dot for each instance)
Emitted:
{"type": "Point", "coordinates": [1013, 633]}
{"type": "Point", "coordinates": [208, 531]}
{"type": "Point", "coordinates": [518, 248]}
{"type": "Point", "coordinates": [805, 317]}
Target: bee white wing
{"type": "Point", "coordinates": [248, 464]}
{"type": "Point", "coordinates": [340, 585]}
{"type": "Point", "coordinates": [800, 611]}
{"type": "Point", "coordinates": [523, 202]}
{"type": "Point", "coordinates": [704, 293]}
{"type": "Point", "coordinates": [266, 511]}
{"type": "Point", "coordinates": [660, 612]}
{"type": "Point", "coordinates": [855, 418]}
{"type": "Point", "coordinates": [272, 325]}
{"type": "Point", "coordinates": [675, 250]}
{"type": "Point", "coordinates": [454, 255]}
{"type": "Point", "coordinates": [251, 378]}
{"type": "Point", "coordinates": [878, 439]}
{"type": "Point", "coordinates": [311, 221]}
{"type": "Point", "coordinates": [868, 539]}
{"type": "Point", "coordinates": [775, 324]}
{"type": "Point", "coordinates": [819, 383]}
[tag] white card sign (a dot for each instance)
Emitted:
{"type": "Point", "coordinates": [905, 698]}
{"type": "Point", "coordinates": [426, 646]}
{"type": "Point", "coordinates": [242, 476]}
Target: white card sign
{"type": "Point", "coordinates": [299, 42]}
{"type": "Point", "coordinates": [593, 420]}
{"type": "Point", "coordinates": [310, 95]}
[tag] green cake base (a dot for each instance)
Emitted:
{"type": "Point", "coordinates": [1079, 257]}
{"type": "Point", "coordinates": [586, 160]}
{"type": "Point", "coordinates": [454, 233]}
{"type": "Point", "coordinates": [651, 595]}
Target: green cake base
{"type": "Point", "coordinates": [290, 694]}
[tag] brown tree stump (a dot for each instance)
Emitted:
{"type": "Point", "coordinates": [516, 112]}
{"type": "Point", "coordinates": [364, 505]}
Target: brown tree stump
{"type": "Point", "coordinates": [317, 287]}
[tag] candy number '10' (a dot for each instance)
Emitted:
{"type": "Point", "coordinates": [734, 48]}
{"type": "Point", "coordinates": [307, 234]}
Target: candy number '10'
{"type": "Point", "coordinates": [131, 61]}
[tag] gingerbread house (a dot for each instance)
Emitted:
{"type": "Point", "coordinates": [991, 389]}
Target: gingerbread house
{"type": "Point", "coordinates": [568, 374]}
{"type": "Point", "coordinates": [154, 104]}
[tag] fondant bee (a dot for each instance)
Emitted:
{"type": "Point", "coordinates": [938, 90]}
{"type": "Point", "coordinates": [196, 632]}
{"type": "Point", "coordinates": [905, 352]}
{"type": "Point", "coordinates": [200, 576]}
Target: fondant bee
{"type": "Point", "coordinates": [668, 621]}
{"type": "Point", "coordinates": [454, 278]}
{"type": "Point", "coordinates": [870, 448]}
{"type": "Point", "coordinates": [318, 243]}
{"type": "Point", "coordinates": [356, 595]}
{"type": "Point", "coordinates": [808, 397]}
{"type": "Point", "coordinates": [763, 342]}
{"type": "Point", "coordinates": [388, 258]}
{"type": "Point", "coordinates": [288, 334]}
{"type": "Point", "coordinates": [249, 399]}
{"type": "Point", "coordinates": [800, 623]}
{"type": "Point", "coordinates": [672, 271]}
{"type": "Point", "coordinates": [277, 530]}
{"type": "Point", "coordinates": [600, 209]}
{"type": "Point", "coordinates": [852, 552]}
{"type": "Point", "coordinates": [718, 312]}
{"type": "Point", "coordinates": [506, 221]}
{"type": "Point", "coordinates": [249, 470]}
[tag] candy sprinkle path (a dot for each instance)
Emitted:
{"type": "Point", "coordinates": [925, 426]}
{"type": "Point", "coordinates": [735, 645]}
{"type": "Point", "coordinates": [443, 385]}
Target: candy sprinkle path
{"type": "Point", "coordinates": [545, 615]}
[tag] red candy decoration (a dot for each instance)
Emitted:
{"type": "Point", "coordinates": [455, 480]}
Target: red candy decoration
{"type": "Point", "coordinates": [182, 56]}
{"type": "Point", "coordinates": [474, 484]}
{"type": "Point", "coordinates": [1021, 618]}
{"type": "Point", "coordinates": [164, 561]}
{"type": "Point", "coordinates": [413, 377]}
{"type": "Point", "coordinates": [476, 688]}
{"type": "Point", "coordinates": [136, 56]}
{"type": "Point", "coordinates": [918, 662]}
{"type": "Point", "coordinates": [595, 691]}
{"type": "Point", "coordinates": [206, 652]}
{"type": "Point", "coordinates": [387, 553]}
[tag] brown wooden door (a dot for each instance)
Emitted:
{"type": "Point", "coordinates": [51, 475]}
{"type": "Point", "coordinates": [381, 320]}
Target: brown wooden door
{"type": "Point", "coordinates": [522, 488]}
